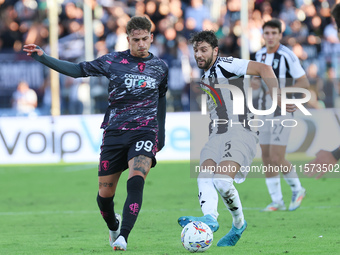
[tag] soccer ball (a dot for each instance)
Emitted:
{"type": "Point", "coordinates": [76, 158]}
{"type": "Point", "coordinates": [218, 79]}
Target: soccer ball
{"type": "Point", "coordinates": [196, 236]}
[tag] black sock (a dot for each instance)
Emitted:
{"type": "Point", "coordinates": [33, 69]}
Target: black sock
{"type": "Point", "coordinates": [133, 204]}
{"type": "Point", "coordinates": [105, 205]}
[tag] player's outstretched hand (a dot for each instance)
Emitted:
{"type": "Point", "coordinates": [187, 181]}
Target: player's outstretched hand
{"type": "Point", "coordinates": [290, 107]}
{"type": "Point", "coordinates": [322, 157]}
{"type": "Point", "coordinates": [31, 48]}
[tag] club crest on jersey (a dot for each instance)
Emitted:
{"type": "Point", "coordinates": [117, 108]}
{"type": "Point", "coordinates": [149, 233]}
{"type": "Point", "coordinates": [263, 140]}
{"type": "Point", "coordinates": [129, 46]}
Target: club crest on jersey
{"type": "Point", "coordinates": [141, 67]}
{"type": "Point", "coordinates": [275, 63]}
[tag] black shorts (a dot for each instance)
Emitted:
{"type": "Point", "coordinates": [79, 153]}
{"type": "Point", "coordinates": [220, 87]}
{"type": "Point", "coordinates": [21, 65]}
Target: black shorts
{"type": "Point", "coordinates": [118, 147]}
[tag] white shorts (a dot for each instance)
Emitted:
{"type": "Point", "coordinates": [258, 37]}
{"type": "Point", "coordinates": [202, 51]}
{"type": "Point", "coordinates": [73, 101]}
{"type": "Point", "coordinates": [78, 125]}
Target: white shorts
{"type": "Point", "coordinates": [273, 132]}
{"type": "Point", "coordinates": [237, 145]}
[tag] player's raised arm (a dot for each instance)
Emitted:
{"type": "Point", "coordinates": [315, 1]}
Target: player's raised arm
{"type": "Point", "coordinates": [267, 74]}
{"type": "Point", "coordinates": [302, 82]}
{"type": "Point", "coordinates": [64, 67]}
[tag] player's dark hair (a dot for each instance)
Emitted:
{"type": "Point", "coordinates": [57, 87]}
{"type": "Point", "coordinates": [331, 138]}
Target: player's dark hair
{"type": "Point", "coordinates": [273, 23]}
{"type": "Point", "coordinates": [138, 23]}
{"type": "Point", "coordinates": [205, 36]}
{"type": "Point", "coordinates": [336, 14]}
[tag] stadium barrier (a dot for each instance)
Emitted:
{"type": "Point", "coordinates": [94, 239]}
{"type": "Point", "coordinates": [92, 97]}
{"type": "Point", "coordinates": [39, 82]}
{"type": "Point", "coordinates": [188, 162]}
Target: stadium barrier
{"type": "Point", "coordinates": [77, 138]}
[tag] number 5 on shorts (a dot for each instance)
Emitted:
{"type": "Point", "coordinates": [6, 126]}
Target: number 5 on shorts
{"type": "Point", "coordinates": [147, 145]}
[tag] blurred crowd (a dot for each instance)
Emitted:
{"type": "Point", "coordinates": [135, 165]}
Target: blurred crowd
{"type": "Point", "coordinates": [309, 30]}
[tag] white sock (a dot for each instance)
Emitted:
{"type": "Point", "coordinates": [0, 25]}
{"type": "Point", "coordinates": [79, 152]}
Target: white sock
{"type": "Point", "coordinates": [225, 186]}
{"type": "Point", "coordinates": [293, 180]}
{"type": "Point", "coordinates": [274, 188]}
{"type": "Point", "coordinates": [207, 194]}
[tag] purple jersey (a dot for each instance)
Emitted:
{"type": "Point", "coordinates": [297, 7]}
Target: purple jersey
{"type": "Point", "coordinates": [134, 88]}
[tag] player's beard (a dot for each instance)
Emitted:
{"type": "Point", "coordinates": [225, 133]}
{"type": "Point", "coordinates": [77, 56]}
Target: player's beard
{"type": "Point", "coordinates": [207, 63]}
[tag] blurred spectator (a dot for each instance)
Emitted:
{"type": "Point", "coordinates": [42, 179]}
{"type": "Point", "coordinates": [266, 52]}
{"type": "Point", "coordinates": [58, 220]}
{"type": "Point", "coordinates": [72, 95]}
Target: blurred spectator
{"type": "Point", "coordinates": [299, 32]}
{"type": "Point", "coordinates": [267, 11]}
{"type": "Point", "coordinates": [287, 13]}
{"type": "Point", "coordinates": [330, 87]}
{"type": "Point", "coordinates": [195, 15]}
{"type": "Point", "coordinates": [179, 58]}
{"type": "Point", "coordinates": [315, 88]}
{"type": "Point", "coordinates": [46, 101]}
{"type": "Point", "coordinates": [24, 99]}
{"type": "Point", "coordinates": [26, 10]}
{"type": "Point", "coordinates": [331, 33]}
{"type": "Point", "coordinates": [233, 11]}
{"type": "Point", "coordinates": [308, 30]}
{"type": "Point", "coordinates": [71, 95]}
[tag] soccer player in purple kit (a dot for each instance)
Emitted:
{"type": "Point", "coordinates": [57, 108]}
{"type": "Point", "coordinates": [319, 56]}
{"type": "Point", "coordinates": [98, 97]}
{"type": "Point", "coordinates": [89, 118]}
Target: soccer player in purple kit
{"type": "Point", "coordinates": [133, 123]}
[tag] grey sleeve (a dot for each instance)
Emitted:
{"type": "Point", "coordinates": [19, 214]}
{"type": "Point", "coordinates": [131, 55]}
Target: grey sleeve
{"type": "Point", "coordinates": [61, 66]}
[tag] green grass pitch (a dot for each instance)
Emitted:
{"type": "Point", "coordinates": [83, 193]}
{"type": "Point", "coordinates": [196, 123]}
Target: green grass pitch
{"type": "Point", "coordinates": [51, 209]}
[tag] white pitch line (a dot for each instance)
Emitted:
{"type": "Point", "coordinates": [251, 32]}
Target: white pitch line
{"type": "Point", "coordinates": [148, 210]}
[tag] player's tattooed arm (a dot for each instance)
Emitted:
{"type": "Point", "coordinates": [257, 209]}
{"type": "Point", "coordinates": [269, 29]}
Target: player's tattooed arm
{"type": "Point", "coordinates": [142, 164]}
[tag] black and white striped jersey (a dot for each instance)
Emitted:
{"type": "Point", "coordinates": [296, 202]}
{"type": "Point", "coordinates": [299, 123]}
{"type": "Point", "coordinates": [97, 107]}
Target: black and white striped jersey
{"type": "Point", "coordinates": [225, 70]}
{"type": "Point", "coordinates": [286, 67]}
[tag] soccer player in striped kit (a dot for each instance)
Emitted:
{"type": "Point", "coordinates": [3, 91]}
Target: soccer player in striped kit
{"type": "Point", "coordinates": [274, 136]}
{"type": "Point", "coordinates": [229, 147]}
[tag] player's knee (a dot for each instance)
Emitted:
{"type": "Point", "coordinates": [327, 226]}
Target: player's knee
{"type": "Point", "coordinates": [105, 191]}
{"type": "Point", "coordinates": [276, 160]}
{"type": "Point", "coordinates": [266, 158]}
{"type": "Point", "coordinates": [223, 184]}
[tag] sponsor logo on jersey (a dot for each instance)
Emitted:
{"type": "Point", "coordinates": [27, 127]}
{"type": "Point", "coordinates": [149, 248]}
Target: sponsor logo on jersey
{"type": "Point", "coordinates": [227, 155]}
{"type": "Point", "coordinates": [133, 81]}
{"type": "Point", "coordinates": [210, 90]}
{"type": "Point", "coordinates": [124, 61]}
